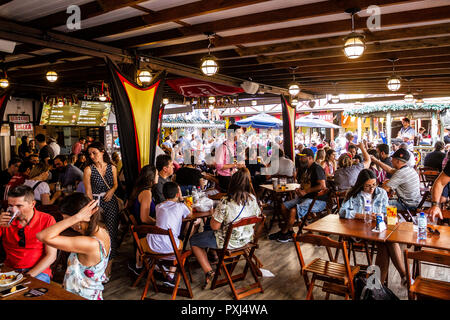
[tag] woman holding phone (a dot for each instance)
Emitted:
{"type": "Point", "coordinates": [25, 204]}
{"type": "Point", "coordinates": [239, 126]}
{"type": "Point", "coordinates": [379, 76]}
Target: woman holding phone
{"type": "Point", "coordinates": [100, 180]}
{"type": "Point", "coordinates": [90, 250]}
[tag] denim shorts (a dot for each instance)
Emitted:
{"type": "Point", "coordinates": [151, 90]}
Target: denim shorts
{"type": "Point", "coordinates": [205, 239]}
{"type": "Point", "coordinates": [302, 205]}
{"type": "Point", "coordinates": [41, 276]}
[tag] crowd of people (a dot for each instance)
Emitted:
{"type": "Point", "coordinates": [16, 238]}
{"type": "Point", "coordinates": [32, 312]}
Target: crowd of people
{"type": "Point", "coordinates": [88, 189]}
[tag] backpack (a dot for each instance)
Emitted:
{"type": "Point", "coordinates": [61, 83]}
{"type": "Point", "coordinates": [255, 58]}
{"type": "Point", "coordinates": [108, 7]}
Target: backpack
{"type": "Point", "coordinates": [363, 292]}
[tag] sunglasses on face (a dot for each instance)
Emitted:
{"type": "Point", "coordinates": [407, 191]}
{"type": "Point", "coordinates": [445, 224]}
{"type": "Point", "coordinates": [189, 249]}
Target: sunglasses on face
{"type": "Point", "coordinates": [21, 234]}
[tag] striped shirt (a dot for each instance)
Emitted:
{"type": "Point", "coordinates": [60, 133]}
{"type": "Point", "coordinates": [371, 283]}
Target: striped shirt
{"type": "Point", "coordinates": [405, 181]}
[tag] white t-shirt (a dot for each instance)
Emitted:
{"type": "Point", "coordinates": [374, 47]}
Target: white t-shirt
{"type": "Point", "coordinates": [169, 215]}
{"type": "Point", "coordinates": [42, 188]}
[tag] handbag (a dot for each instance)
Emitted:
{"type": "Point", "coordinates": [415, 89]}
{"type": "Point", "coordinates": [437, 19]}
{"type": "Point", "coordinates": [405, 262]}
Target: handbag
{"type": "Point", "coordinates": [364, 292]}
{"type": "Point", "coordinates": [120, 202]}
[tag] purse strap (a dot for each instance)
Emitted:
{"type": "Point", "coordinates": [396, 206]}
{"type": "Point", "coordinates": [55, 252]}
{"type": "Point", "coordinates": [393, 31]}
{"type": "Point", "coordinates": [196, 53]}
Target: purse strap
{"type": "Point", "coordinates": [238, 214]}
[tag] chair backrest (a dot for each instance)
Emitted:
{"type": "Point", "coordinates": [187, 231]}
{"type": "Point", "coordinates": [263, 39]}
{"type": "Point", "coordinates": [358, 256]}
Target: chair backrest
{"type": "Point", "coordinates": [311, 205]}
{"type": "Point", "coordinates": [240, 223]}
{"type": "Point", "coordinates": [428, 175]}
{"type": "Point", "coordinates": [437, 257]}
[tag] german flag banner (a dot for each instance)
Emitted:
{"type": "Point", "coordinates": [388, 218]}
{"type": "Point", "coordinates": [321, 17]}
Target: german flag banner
{"type": "Point", "coordinates": [289, 115]}
{"type": "Point", "coordinates": [4, 98]}
{"type": "Point", "coordinates": [138, 111]}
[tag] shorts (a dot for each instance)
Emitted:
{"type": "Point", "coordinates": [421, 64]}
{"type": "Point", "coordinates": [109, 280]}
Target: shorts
{"type": "Point", "coordinates": [146, 248]}
{"type": "Point", "coordinates": [302, 205]}
{"type": "Point", "coordinates": [205, 239]}
{"type": "Point", "coordinates": [41, 276]}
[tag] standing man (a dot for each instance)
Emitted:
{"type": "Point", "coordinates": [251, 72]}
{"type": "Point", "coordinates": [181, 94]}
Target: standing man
{"type": "Point", "coordinates": [78, 146]}
{"type": "Point", "coordinates": [407, 133]}
{"type": "Point", "coordinates": [54, 145]}
{"type": "Point", "coordinates": [24, 252]}
{"type": "Point", "coordinates": [45, 152]}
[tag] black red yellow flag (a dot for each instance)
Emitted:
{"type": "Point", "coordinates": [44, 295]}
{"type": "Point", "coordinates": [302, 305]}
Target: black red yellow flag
{"type": "Point", "coordinates": [289, 114]}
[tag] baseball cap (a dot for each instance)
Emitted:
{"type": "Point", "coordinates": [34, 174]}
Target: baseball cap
{"type": "Point", "coordinates": [306, 152]}
{"type": "Point", "coordinates": [402, 155]}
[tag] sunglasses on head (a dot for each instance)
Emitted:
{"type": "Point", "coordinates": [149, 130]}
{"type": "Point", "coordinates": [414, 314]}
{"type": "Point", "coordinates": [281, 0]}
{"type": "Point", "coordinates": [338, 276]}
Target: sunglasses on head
{"type": "Point", "coordinates": [21, 234]}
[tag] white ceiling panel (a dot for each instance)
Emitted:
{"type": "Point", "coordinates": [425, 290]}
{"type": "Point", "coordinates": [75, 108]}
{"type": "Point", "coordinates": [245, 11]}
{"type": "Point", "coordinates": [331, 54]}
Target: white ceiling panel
{"type": "Point", "coordinates": [116, 15]}
{"type": "Point", "coordinates": [26, 10]}
{"type": "Point", "coordinates": [135, 33]}
{"type": "Point", "coordinates": [255, 8]}
{"type": "Point", "coordinates": [157, 5]}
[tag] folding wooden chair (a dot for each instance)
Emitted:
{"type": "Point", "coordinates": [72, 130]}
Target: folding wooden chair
{"type": "Point", "coordinates": [124, 225]}
{"type": "Point", "coordinates": [311, 216]}
{"type": "Point", "coordinates": [427, 177]}
{"type": "Point", "coordinates": [152, 259]}
{"type": "Point", "coordinates": [337, 277]}
{"type": "Point", "coordinates": [425, 287]}
{"type": "Point", "coordinates": [229, 258]}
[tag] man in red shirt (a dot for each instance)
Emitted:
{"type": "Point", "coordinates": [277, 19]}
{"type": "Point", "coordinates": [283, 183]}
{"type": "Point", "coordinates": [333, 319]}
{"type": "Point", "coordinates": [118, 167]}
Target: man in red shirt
{"type": "Point", "coordinates": [24, 252]}
{"type": "Point", "coordinates": [78, 146]}
{"type": "Point", "coordinates": [17, 180]}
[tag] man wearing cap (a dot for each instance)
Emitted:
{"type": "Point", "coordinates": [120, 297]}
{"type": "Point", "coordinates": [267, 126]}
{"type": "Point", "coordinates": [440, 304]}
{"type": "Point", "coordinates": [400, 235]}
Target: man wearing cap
{"type": "Point", "coordinates": [312, 180]}
{"type": "Point", "coordinates": [407, 133]}
{"type": "Point", "coordinates": [404, 181]}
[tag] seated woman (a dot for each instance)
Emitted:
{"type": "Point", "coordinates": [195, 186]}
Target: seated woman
{"type": "Point", "coordinates": [329, 164]}
{"type": "Point", "coordinates": [89, 256]}
{"type": "Point", "coordinates": [37, 181]}
{"type": "Point", "coordinates": [240, 202]}
{"type": "Point", "coordinates": [352, 208]}
{"type": "Point", "coordinates": [345, 177]}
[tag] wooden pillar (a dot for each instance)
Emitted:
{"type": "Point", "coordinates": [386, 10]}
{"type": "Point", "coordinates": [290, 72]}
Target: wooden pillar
{"type": "Point", "coordinates": [371, 129]}
{"type": "Point", "coordinates": [388, 128]}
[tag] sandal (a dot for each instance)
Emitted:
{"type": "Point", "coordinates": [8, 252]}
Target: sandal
{"type": "Point", "coordinates": [208, 280]}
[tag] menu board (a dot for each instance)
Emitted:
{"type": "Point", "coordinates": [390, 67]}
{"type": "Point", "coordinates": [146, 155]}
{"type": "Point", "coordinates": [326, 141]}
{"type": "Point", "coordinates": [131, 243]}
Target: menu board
{"type": "Point", "coordinates": [83, 114]}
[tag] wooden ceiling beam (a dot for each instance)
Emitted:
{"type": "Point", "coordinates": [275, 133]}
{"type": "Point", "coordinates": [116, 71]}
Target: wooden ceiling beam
{"type": "Point", "coordinates": [88, 10]}
{"type": "Point", "coordinates": [166, 15]}
{"type": "Point", "coordinates": [389, 20]}
{"type": "Point", "coordinates": [250, 20]}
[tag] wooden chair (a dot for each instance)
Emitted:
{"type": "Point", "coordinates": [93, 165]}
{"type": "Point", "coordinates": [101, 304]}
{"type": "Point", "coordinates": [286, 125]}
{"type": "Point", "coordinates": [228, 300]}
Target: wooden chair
{"type": "Point", "coordinates": [425, 287]}
{"type": "Point", "coordinates": [151, 260]}
{"type": "Point", "coordinates": [427, 177]}
{"type": "Point", "coordinates": [311, 216]}
{"type": "Point", "coordinates": [229, 258]}
{"type": "Point", "coordinates": [337, 277]}
{"type": "Point", "coordinates": [124, 225]}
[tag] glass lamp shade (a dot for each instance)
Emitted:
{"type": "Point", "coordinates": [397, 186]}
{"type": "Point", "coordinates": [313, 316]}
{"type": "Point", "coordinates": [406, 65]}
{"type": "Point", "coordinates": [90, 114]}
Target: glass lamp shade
{"type": "Point", "coordinates": [144, 76]}
{"type": "Point", "coordinates": [394, 83]}
{"type": "Point", "coordinates": [354, 45]}
{"type": "Point", "coordinates": [254, 103]}
{"type": "Point", "coordinates": [335, 98]}
{"type": "Point", "coordinates": [294, 89]}
{"type": "Point", "coordinates": [102, 97]}
{"type": "Point", "coordinates": [294, 102]}
{"type": "Point", "coordinates": [409, 98]}
{"type": "Point", "coordinates": [419, 102]}
{"type": "Point", "coordinates": [51, 76]}
{"type": "Point", "coordinates": [211, 99]}
{"type": "Point", "coordinates": [60, 104]}
{"type": "Point", "coordinates": [4, 83]}
{"type": "Point", "coordinates": [165, 101]}
{"type": "Point", "coordinates": [209, 65]}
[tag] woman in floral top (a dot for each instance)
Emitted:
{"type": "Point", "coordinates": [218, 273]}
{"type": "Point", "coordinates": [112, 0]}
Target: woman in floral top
{"type": "Point", "coordinates": [90, 250]}
{"type": "Point", "coordinates": [240, 202]}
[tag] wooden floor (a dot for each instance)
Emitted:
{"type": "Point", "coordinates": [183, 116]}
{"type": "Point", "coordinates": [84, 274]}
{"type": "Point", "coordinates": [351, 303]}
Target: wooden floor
{"type": "Point", "coordinates": [279, 258]}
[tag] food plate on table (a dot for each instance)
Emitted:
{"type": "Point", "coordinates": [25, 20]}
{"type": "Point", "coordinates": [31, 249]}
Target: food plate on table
{"type": "Point", "coordinates": [10, 278]}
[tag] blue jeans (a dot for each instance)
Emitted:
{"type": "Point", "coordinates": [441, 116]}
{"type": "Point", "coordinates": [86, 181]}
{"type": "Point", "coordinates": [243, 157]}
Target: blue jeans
{"type": "Point", "coordinates": [41, 276]}
{"type": "Point", "coordinates": [303, 204]}
{"type": "Point", "coordinates": [400, 206]}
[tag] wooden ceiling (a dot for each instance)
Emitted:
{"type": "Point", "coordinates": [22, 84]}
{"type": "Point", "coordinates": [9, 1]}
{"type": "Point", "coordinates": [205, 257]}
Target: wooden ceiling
{"type": "Point", "coordinates": [257, 40]}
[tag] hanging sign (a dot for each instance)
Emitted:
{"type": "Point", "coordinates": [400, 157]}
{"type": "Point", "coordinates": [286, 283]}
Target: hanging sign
{"type": "Point", "coordinates": [18, 118]}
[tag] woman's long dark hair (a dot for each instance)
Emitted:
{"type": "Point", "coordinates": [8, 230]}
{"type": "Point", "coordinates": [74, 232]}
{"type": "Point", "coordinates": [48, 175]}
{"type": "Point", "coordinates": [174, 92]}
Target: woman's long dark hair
{"type": "Point", "coordinates": [363, 176]}
{"type": "Point", "coordinates": [240, 187]}
{"type": "Point", "coordinates": [76, 201]}
{"type": "Point", "coordinates": [100, 147]}
{"type": "Point", "coordinates": [144, 181]}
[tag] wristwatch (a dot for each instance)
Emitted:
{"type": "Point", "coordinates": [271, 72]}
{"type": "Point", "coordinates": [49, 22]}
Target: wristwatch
{"type": "Point", "coordinates": [435, 204]}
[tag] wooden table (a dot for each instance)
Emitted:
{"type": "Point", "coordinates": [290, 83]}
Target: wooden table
{"type": "Point", "coordinates": [277, 195]}
{"type": "Point", "coordinates": [405, 234]}
{"type": "Point", "coordinates": [190, 221]}
{"type": "Point", "coordinates": [357, 228]}
{"type": "Point", "coordinates": [55, 291]}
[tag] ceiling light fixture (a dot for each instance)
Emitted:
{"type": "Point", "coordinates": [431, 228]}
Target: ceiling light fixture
{"type": "Point", "coordinates": [294, 102]}
{"type": "Point", "coordinates": [294, 87]}
{"type": "Point", "coordinates": [409, 97]}
{"type": "Point", "coordinates": [145, 76]}
{"type": "Point", "coordinates": [51, 76]}
{"type": "Point", "coordinates": [165, 101]}
{"type": "Point", "coordinates": [394, 82]}
{"type": "Point", "coordinates": [354, 45]}
{"type": "Point", "coordinates": [254, 103]}
{"type": "Point", "coordinates": [335, 97]}
{"type": "Point", "coordinates": [211, 99]}
{"type": "Point", "coordinates": [209, 65]}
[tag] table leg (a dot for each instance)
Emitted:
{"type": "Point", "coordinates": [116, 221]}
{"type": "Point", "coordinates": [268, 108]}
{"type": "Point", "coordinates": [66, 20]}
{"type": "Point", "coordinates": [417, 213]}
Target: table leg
{"type": "Point", "coordinates": [416, 265]}
{"type": "Point", "coordinates": [188, 234]}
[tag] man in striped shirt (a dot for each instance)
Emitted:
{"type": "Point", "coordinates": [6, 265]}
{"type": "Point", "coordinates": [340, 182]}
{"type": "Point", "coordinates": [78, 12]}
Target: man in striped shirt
{"type": "Point", "coordinates": [404, 181]}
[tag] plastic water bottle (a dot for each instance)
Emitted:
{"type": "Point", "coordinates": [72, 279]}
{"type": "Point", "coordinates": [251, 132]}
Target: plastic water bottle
{"type": "Point", "coordinates": [367, 211]}
{"type": "Point", "coordinates": [422, 227]}
{"type": "Point", "coordinates": [194, 195]}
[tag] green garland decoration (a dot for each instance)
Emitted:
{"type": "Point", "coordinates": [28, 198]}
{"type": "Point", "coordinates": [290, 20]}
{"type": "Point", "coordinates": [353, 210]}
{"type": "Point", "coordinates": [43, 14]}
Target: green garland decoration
{"type": "Point", "coordinates": [396, 107]}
